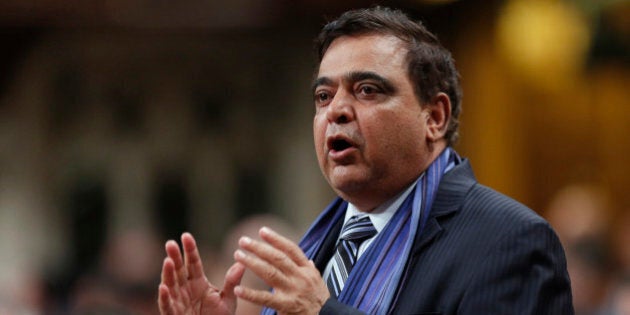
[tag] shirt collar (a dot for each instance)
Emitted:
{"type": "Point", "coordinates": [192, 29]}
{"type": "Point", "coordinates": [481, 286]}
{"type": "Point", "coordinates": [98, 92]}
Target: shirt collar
{"type": "Point", "coordinates": [381, 214]}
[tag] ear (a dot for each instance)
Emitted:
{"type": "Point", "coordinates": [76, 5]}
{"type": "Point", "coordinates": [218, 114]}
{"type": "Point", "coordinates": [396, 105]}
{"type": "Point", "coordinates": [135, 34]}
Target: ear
{"type": "Point", "coordinates": [439, 114]}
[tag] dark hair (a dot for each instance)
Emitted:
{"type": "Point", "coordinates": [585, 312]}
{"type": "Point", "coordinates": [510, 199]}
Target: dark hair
{"type": "Point", "coordinates": [431, 67]}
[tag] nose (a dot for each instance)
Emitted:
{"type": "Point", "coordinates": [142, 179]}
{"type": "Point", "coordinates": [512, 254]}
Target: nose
{"type": "Point", "coordinates": [340, 109]}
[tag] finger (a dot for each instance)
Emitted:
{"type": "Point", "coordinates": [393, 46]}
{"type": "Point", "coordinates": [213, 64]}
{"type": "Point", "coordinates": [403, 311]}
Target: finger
{"type": "Point", "coordinates": [168, 272]}
{"type": "Point", "coordinates": [270, 254]}
{"type": "Point", "coordinates": [194, 266]}
{"type": "Point", "coordinates": [285, 245]}
{"type": "Point", "coordinates": [169, 278]}
{"type": "Point", "coordinates": [260, 297]}
{"type": "Point", "coordinates": [233, 277]}
{"type": "Point", "coordinates": [164, 300]}
{"type": "Point", "coordinates": [173, 251]}
{"type": "Point", "coordinates": [268, 273]}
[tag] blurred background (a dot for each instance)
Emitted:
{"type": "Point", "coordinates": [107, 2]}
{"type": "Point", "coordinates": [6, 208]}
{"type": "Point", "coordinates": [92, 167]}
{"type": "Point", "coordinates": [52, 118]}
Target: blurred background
{"type": "Point", "coordinates": [124, 123]}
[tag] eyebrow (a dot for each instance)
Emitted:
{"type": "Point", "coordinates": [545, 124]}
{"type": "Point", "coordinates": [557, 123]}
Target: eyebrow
{"type": "Point", "coordinates": [356, 76]}
{"type": "Point", "coordinates": [320, 81]}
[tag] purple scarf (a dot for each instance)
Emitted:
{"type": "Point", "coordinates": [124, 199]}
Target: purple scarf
{"type": "Point", "coordinates": [376, 276]}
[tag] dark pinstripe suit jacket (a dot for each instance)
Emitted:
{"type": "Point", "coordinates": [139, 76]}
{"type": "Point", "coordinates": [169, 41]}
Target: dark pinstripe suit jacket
{"type": "Point", "coordinates": [480, 253]}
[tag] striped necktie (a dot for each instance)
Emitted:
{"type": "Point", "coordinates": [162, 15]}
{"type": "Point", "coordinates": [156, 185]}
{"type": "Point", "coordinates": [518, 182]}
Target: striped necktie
{"type": "Point", "coordinates": [353, 233]}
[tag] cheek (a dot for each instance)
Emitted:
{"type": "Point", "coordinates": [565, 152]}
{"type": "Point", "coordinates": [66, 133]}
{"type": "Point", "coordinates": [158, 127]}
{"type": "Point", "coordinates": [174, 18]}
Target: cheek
{"type": "Point", "coordinates": [319, 136]}
{"type": "Point", "coordinates": [386, 128]}
{"type": "Point", "coordinates": [396, 135]}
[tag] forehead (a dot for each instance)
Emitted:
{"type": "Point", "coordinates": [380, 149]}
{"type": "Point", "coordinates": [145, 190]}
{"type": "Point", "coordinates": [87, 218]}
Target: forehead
{"type": "Point", "coordinates": [372, 52]}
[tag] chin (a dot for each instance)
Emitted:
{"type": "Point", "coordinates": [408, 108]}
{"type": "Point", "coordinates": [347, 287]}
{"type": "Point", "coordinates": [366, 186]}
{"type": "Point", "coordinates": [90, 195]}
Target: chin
{"type": "Point", "coordinates": [347, 187]}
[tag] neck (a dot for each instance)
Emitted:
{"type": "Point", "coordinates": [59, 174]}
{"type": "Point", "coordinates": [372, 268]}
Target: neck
{"type": "Point", "coordinates": [368, 200]}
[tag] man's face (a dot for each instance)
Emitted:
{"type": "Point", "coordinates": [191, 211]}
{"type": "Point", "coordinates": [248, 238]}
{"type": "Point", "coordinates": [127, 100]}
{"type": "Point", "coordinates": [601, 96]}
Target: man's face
{"type": "Point", "coordinates": [369, 127]}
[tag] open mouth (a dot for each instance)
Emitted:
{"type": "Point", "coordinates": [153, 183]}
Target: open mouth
{"type": "Point", "coordinates": [340, 145]}
{"type": "Point", "coordinates": [341, 149]}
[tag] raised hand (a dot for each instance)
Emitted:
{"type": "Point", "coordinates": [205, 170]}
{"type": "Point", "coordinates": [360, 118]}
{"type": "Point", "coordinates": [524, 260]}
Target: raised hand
{"type": "Point", "coordinates": [298, 287]}
{"type": "Point", "coordinates": [185, 288]}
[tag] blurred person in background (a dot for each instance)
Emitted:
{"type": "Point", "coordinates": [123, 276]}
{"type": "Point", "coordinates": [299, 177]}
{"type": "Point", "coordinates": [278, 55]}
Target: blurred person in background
{"type": "Point", "coordinates": [580, 215]}
{"type": "Point", "coordinates": [411, 231]}
{"type": "Point", "coordinates": [124, 280]}
{"type": "Point", "coordinates": [597, 248]}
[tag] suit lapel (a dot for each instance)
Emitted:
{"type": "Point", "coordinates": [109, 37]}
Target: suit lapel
{"type": "Point", "coordinates": [449, 199]}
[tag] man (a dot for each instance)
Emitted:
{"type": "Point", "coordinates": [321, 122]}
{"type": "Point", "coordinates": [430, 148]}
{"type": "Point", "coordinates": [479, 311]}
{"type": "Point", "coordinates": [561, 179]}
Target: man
{"type": "Point", "coordinates": [432, 240]}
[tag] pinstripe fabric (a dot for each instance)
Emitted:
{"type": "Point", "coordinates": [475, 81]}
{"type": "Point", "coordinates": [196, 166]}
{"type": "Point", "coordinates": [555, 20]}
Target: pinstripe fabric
{"type": "Point", "coordinates": [480, 253]}
{"type": "Point", "coordinates": [357, 230]}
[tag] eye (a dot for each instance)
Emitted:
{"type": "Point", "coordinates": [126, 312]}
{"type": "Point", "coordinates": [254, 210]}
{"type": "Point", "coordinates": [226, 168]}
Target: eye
{"type": "Point", "coordinates": [368, 90]}
{"type": "Point", "coordinates": [322, 98]}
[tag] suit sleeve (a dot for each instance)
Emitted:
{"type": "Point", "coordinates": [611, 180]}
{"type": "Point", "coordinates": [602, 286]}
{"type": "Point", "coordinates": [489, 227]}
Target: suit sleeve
{"type": "Point", "coordinates": [334, 307]}
{"type": "Point", "coordinates": [524, 273]}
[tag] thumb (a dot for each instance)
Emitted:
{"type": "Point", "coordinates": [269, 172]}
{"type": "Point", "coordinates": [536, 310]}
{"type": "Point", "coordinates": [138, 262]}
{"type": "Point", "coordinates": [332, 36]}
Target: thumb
{"type": "Point", "coordinates": [233, 278]}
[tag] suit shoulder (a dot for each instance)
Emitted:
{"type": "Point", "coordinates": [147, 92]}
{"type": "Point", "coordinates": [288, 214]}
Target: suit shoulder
{"type": "Point", "coordinates": [490, 205]}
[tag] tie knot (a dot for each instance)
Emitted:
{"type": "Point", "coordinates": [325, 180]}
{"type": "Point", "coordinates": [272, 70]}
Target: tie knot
{"type": "Point", "coordinates": [358, 229]}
